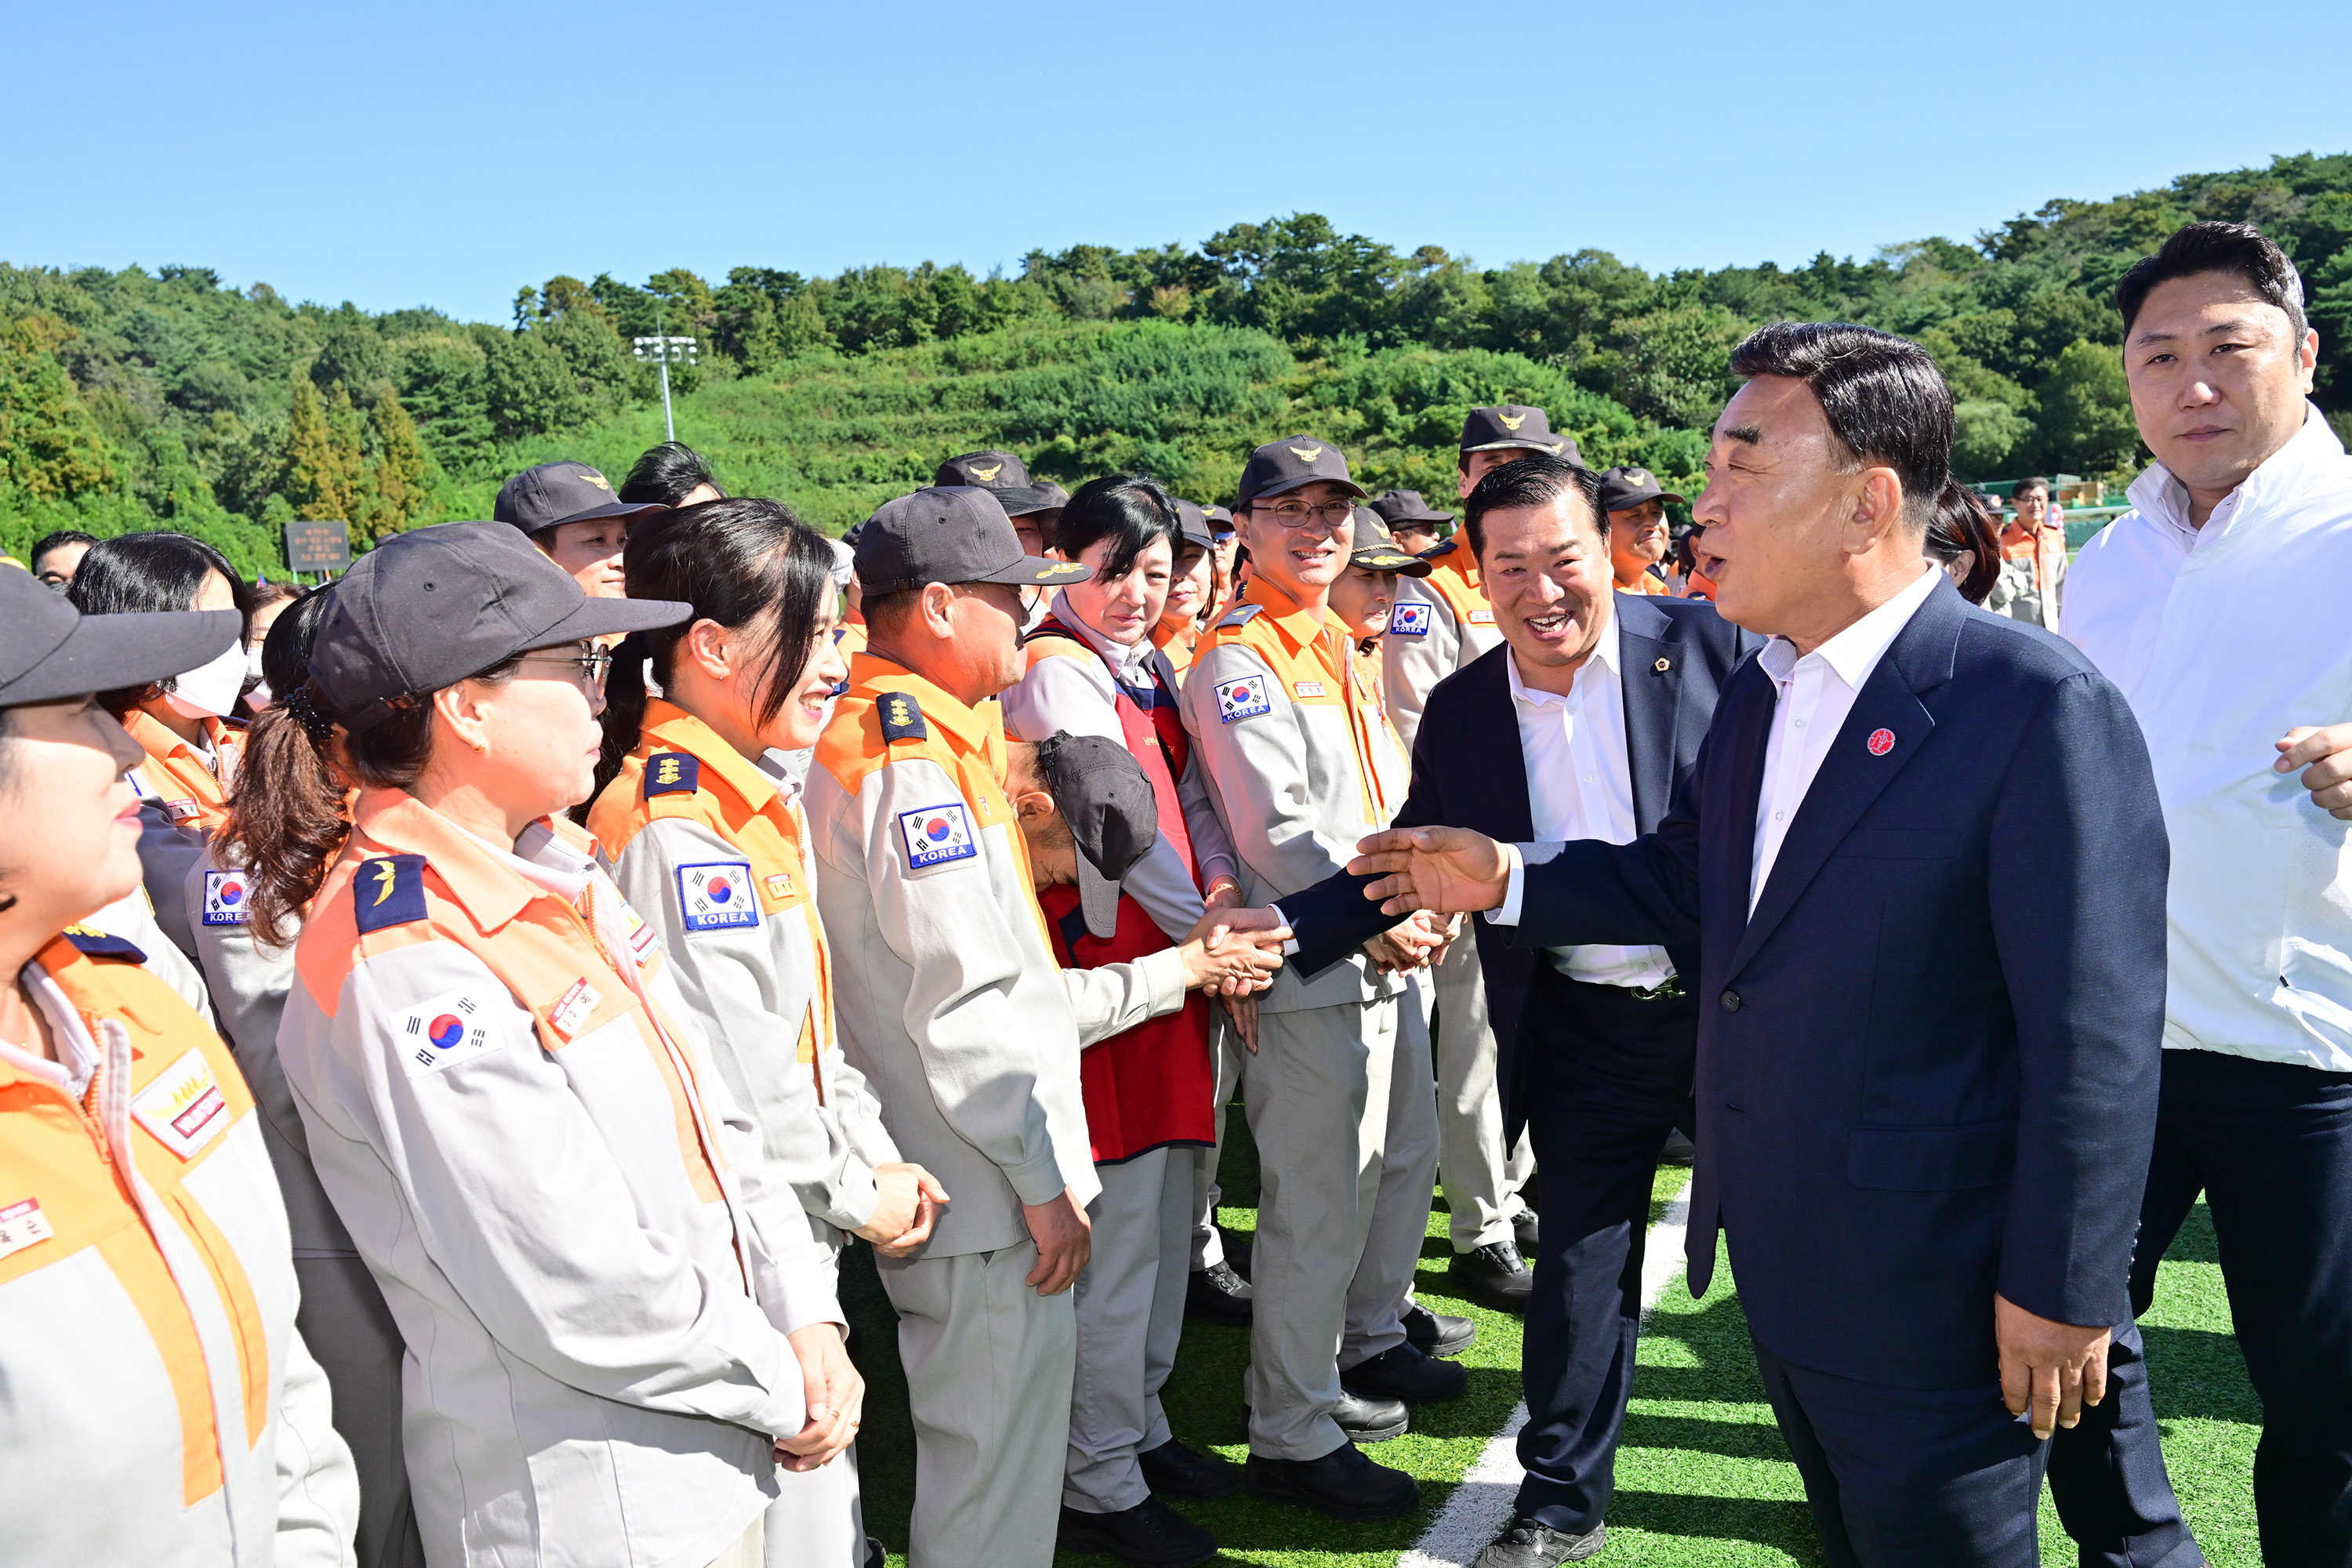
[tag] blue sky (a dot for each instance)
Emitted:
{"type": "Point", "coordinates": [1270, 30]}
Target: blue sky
{"type": "Point", "coordinates": [444, 154]}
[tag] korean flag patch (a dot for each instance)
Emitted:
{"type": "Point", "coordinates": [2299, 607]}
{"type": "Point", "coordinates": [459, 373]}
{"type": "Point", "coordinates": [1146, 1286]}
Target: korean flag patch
{"type": "Point", "coordinates": [435, 1035]}
{"type": "Point", "coordinates": [225, 896]}
{"type": "Point", "coordinates": [1242, 698]}
{"type": "Point", "coordinates": [1407, 619]}
{"type": "Point", "coordinates": [717, 895]}
{"type": "Point", "coordinates": [937, 835]}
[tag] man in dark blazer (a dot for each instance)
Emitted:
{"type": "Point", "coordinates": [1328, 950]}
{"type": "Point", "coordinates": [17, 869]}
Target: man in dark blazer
{"type": "Point", "coordinates": [1586, 719]}
{"type": "Point", "coordinates": [1923, 856]}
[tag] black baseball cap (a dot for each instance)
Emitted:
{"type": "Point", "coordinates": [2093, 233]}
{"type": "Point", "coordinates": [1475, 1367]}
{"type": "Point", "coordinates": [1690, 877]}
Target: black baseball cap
{"type": "Point", "coordinates": [427, 608]}
{"type": "Point", "coordinates": [1006, 475]}
{"type": "Point", "coordinates": [948, 533]}
{"type": "Point", "coordinates": [1517, 425]}
{"type": "Point", "coordinates": [50, 650]}
{"type": "Point", "coordinates": [1100, 790]}
{"type": "Point", "coordinates": [1373, 548]}
{"type": "Point", "coordinates": [1220, 520]}
{"type": "Point", "coordinates": [1194, 523]}
{"type": "Point", "coordinates": [553, 494]}
{"type": "Point", "coordinates": [1280, 467]}
{"type": "Point", "coordinates": [1630, 486]}
{"type": "Point", "coordinates": [1397, 508]}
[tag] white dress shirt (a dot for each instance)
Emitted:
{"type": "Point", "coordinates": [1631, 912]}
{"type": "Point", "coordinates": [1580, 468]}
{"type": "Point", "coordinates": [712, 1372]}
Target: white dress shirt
{"type": "Point", "coordinates": [1813, 694]}
{"type": "Point", "coordinates": [2223, 639]}
{"type": "Point", "coordinates": [1580, 785]}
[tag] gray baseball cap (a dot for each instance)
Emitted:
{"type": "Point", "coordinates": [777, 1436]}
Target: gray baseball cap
{"type": "Point", "coordinates": [1100, 790]}
{"type": "Point", "coordinates": [553, 494]}
{"type": "Point", "coordinates": [949, 534]}
{"type": "Point", "coordinates": [50, 650]}
{"type": "Point", "coordinates": [427, 608]}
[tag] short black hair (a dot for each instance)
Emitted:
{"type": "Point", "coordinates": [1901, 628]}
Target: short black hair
{"type": "Point", "coordinates": [2236, 247]}
{"type": "Point", "coordinates": [154, 572]}
{"type": "Point", "coordinates": [59, 539]}
{"type": "Point", "coordinates": [1536, 479]}
{"type": "Point", "coordinates": [667, 474]}
{"type": "Point", "coordinates": [1886, 403]}
{"type": "Point", "coordinates": [1128, 510]}
{"type": "Point", "coordinates": [2035, 483]}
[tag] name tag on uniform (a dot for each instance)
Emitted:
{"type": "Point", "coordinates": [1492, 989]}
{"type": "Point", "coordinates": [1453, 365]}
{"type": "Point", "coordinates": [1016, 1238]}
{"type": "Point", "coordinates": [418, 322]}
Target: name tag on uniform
{"type": "Point", "coordinates": [716, 895]}
{"type": "Point", "coordinates": [183, 1106]}
{"type": "Point", "coordinates": [23, 1223]}
{"type": "Point", "coordinates": [573, 1008]}
{"type": "Point", "coordinates": [938, 833]}
{"type": "Point", "coordinates": [1242, 698]}
{"type": "Point", "coordinates": [1482, 617]}
{"type": "Point", "coordinates": [1407, 619]}
{"type": "Point", "coordinates": [440, 1033]}
{"type": "Point", "coordinates": [225, 898]}
{"type": "Point", "coordinates": [1308, 688]}
{"type": "Point", "coordinates": [779, 886]}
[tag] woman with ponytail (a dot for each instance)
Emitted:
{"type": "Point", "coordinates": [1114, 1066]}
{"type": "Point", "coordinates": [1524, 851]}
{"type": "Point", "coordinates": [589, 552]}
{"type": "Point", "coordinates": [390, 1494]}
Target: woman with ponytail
{"type": "Point", "coordinates": [616, 1324]}
{"type": "Point", "coordinates": [701, 826]}
{"type": "Point", "coordinates": [1963, 540]}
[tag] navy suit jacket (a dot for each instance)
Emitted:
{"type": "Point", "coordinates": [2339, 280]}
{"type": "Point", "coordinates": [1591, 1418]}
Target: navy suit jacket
{"type": "Point", "coordinates": [1467, 771]}
{"type": "Point", "coordinates": [1928, 1063]}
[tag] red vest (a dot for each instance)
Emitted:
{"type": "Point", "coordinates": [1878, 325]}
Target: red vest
{"type": "Point", "coordinates": [1154, 1084]}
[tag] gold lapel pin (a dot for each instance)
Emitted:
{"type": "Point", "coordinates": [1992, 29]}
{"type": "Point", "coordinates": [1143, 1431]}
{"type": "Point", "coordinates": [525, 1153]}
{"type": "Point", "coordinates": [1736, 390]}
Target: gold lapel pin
{"type": "Point", "coordinates": [1663, 666]}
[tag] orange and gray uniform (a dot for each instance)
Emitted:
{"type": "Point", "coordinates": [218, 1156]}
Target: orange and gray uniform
{"type": "Point", "coordinates": [1437, 624]}
{"type": "Point", "coordinates": [343, 1316]}
{"type": "Point", "coordinates": [182, 799]}
{"type": "Point", "coordinates": [590, 1265]}
{"type": "Point", "coordinates": [161, 1407]}
{"type": "Point", "coordinates": [1302, 763]}
{"type": "Point", "coordinates": [949, 1001]}
{"type": "Point", "coordinates": [714, 851]}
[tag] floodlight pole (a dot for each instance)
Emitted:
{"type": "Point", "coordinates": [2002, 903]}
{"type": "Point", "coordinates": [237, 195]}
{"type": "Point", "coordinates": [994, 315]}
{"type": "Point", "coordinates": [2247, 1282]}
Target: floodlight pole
{"type": "Point", "coordinates": [661, 350]}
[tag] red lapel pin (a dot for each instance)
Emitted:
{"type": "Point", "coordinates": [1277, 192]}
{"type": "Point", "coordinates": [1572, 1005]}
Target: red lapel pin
{"type": "Point", "coordinates": [1881, 743]}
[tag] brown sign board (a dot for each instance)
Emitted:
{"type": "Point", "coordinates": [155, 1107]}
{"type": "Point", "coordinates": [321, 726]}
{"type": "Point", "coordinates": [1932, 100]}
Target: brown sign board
{"type": "Point", "coordinates": [320, 545]}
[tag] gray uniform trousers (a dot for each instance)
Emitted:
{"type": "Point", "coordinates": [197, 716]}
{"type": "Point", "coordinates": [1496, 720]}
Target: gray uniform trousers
{"type": "Point", "coordinates": [1482, 1183]}
{"type": "Point", "coordinates": [989, 1363]}
{"type": "Point", "coordinates": [1332, 1264]}
{"type": "Point", "coordinates": [351, 1333]}
{"type": "Point", "coordinates": [1130, 1312]}
{"type": "Point", "coordinates": [819, 1517]}
{"type": "Point", "coordinates": [1208, 1246]}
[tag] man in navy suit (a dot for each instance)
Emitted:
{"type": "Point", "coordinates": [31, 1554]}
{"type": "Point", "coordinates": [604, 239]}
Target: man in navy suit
{"type": "Point", "coordinates": [1582, 723]}
{"type": "Point", "coordinates": [1923, 856]}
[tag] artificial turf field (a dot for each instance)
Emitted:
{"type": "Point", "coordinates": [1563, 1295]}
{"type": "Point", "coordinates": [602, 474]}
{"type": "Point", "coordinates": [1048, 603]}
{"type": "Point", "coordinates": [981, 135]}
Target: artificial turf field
{"type": "Point", "coordinates": [1703, 1480]}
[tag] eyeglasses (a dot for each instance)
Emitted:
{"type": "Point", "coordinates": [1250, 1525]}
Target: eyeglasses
{"type": "Point", "coordinates": [595, 666]}
{"type": "Point", "coordinates": [1298, 514]}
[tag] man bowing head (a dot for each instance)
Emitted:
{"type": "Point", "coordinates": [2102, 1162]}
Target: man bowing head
{"type": "Point", "coordinates": [1922, 857]}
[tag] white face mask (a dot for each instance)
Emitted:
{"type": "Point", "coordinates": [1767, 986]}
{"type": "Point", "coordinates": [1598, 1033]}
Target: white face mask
{"type": "Point", "coordinates": [211, 687]}
{"type": "Point", "coordinates": [257, 696]}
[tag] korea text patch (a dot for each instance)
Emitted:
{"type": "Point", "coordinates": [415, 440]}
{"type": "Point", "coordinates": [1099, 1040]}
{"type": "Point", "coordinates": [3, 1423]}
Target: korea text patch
{"type": "Point", "coordinates": [1407, 619]}
{"type": "Point", "coordinates": [717, 895]}
{"type": "Point", "coordinates": [225, 896]}
{"type": "Point", "coordinates": [1242, 698]}
{"type": "Point", "coordinates": [938, 833]}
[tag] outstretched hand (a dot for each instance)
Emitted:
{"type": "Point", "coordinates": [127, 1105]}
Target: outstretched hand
{"type": "Point", "coordinates": [1449, 870]}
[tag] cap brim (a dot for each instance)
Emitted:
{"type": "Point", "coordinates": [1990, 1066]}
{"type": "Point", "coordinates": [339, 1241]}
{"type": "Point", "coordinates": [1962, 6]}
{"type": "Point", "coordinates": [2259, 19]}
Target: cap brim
{"type": "Point", "coordinates": [604, 617]}
{"type": "Point", "coordinates": [106, 653]}
{"type": "Point", "coordinates": [1286, 486]}
{"type": "Point", "coordinates": [1199, 538]}
{"type": "Point", "coordinates": [1030, 571]}
{"type": "Point", "coordinates": [1551, 447]}
{"type": "Point", "coordinates": [1396, 561]}
{"type": "Point", "coordinates": [1098, 899]}
{"type": "Point", "coordinates": [1023, 501]}
{"type": "Point", "coordinates": [610, 509]}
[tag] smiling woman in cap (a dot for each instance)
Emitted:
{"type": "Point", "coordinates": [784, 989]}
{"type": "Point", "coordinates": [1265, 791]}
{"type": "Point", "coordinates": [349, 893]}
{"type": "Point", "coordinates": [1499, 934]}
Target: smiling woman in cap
{"type": "Point", "coordinates": [618, 1317]}
{"type": "Point", "coordinates": [162, 1405]}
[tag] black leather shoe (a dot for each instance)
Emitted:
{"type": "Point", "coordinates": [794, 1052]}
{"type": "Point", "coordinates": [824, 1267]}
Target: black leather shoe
{"type": "Point", "coordinates": [1343, 1483]}
{"type": "Point", "coordinates": [1150, 1532]}
{"type": "Point", "coordinates": [1525, 1230]}
{"type": "Point", "coordinates": [1174, 1470]}
{"type": "Point", "coordinates": [1218, 1295]}
{"type": "Point", "coordinates": [1493, 1276]}
{"type": "Point", "coordinates": [1238, 1245]}
{"type": "Point", "coordinates": [1678, 1150]}
{"type": "Point", "coordinates": [1363, 1418]}
{"type": "Point", "coordinates": [1531, 1543]}
{"type": "Point", "coordinates": [1437, 1335]}
{"type": "Point", "coordinates": [877, 1555]}
{"type": "Point", "coordinates": [1404, 1373]}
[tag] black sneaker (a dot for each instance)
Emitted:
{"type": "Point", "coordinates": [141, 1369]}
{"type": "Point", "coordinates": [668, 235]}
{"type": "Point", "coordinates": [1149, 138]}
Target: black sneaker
{"type": "Point", "coordinates": [1174, 1470]}
{"type": "Point", "coordinates": [1343, 1484]}
{"type": "Point", "coordinates": [1362, 1418]}
{"type": "Point", "coordinates": [1493, 1276]}
{"type": "Point", "coordinates": [1218, 1295]}
{"type": "Point", "coordinates": [1404, 1373]}
{"type": "Point", "coordinates": [1531, 1543]}
{"type": "Point", "coordinates": [1437, 1335]}
{"type": "Point", "coordinates": [1150, 1532]}
{"type": "Point", "coordinates": [1525, 1230]}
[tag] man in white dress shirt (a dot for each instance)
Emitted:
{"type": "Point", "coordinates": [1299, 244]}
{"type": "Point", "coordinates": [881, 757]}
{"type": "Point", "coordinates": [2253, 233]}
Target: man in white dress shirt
{"type": "Point", "coordinates": [2218, 604]}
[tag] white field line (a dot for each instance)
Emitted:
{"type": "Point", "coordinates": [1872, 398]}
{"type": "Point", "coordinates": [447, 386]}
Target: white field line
{"type": "Point", "coordinates": [1481, 1505]}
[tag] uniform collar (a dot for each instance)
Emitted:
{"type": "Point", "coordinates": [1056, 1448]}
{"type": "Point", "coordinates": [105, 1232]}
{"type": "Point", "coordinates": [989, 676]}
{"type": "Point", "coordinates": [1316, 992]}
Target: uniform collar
{"type": "Point", "coordinates": [2159, 496]}
{"type": "Point", "coordinates": [158, 740]}
{"type": "Point", "coordinates": [78, 1053]}
{"type": "Point", "coordinates": [1300, 625]}
{"type": "Point", "coordinates": [1855, 652]}
{"type": "Point", "coordinates": [1136, 660]}
{"type": "Point", "coordinates": [668, 725]}
{"type": "Point", "coordinates": [481, 879]}
{"type": "Point", "coordinates": [870, 674]}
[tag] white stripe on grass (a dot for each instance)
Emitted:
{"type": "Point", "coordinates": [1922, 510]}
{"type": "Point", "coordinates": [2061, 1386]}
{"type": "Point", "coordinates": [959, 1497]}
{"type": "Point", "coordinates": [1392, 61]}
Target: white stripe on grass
{"type": "Point", "coordinates": [1481, 1505]}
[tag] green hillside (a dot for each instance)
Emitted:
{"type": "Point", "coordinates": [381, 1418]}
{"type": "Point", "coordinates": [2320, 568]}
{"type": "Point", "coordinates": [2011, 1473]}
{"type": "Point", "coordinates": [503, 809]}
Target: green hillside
{"type": "Point", "coordinates": [134, 399]}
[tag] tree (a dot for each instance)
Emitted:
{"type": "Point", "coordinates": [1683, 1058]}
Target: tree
{"type": "Point", "coordinates": [322, 456]}
{"type": "Point", "coordinates": [399, 476]}
{"type": "Point", "coordinates": [2087, 415]}
{"type": "Point", "coordinates": [1677, 364]}
{"type": "Point", "coordinates": [50, 446]}
{"type": "Point", "coordinates": [528, 389]}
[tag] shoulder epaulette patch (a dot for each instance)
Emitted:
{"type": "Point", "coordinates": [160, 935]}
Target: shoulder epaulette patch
{"type": "Point", "coordinates": [672, 773]}
{"type": "Point", "coordinates": [1444, 547]}
{"type": "Point", "coordinates": [92, 942]}
{"type": "Point", "coordinates": [388, 891]}
{"type": "Point", "coordinates": [1240, 615]}
{"type": "Point", "coordinates": [902, 718]}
